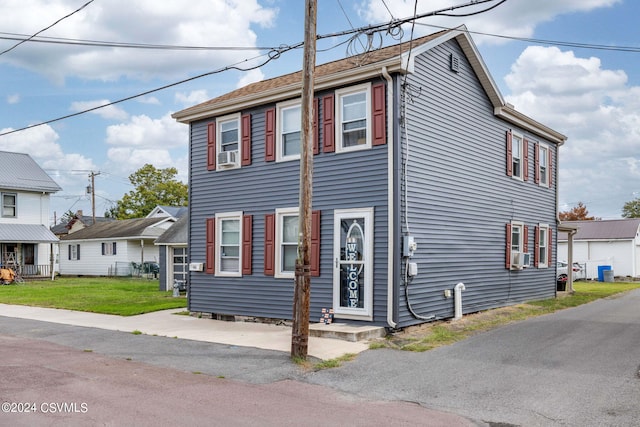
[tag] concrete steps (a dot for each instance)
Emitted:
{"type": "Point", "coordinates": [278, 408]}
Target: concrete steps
{"type": "Point", "coordinates": [346, 332]}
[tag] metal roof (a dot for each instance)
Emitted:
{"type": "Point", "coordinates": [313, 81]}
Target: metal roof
{"type": "Point", "coordinates": [26, 233]}
{"type": "Point", "coordinates": [126, 228]}
{"type": "Point", "coordinates": [20, 172]}
{"type": "Point", "coordinates": [610, 229]}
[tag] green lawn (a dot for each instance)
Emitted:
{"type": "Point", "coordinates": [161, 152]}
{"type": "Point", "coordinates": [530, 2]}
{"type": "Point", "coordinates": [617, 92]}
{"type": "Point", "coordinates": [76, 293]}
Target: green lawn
{"type": "Point", "coordinates": [122, 296]}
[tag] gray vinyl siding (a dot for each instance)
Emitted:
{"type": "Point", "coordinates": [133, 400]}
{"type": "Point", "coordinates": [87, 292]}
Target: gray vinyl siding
{"type": "Point", "coordinates": [340, 181]}
{"type": "Point", "coordinates": [460, 198]}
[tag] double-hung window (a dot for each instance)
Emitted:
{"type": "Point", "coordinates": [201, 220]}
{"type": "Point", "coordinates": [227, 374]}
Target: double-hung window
{"type": "Point", "coordinates": [517, 255]}
{"type": "Point", "coordinates": [353, 118]}
{"type": "Point", "coordinates": [542, 246]}
{"type": "Point", "coordinates": [286, 251]}
{"type": "Point", "coordinates": [228, 244]}
{"type": "Point", "coordinates": [543, 165]}
{"type": "Point", "coordinates": [517, 159]}
{"type": "Point", "coordinates": [9, 205]}
{"type": "Point", "coordinates": [229, 141]}
{"type": "Point", "coordinates": [289, 122]}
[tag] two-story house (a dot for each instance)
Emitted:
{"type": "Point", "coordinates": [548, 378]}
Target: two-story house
{"type": "Point", "coordinates": [26, 243]}
{"type": "Point", "coordinates": [430, 192]}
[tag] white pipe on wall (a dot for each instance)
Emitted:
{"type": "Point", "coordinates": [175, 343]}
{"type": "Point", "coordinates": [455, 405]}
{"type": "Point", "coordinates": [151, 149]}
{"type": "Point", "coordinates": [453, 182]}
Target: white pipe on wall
{"type": "Point", "coordinates": [457, 297]}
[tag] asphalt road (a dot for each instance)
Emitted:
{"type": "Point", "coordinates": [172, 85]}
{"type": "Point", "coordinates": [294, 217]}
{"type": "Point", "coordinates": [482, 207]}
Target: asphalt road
{"type": "Point", "coordinates": [577, 367]}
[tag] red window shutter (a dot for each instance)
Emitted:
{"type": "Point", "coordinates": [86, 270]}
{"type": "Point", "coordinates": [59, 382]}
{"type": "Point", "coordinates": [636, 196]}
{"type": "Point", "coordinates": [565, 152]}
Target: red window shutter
{"type": "Point", "coordinates": [210, 233]}
{"type": "Point", "coordinates": [270, 135]}
{"type": "Point", "coordinates": [328, 125]}
{"type": "Point", "coordinates": [536, 163]}
{"type": "Point", "coordinates": [509, 154]}
{"type": "Point", "coordinates": [525, 239]}
{"type": "Point", "coordinates": [536, 246]}
{"type": "Point", "coordinates": [246, 139]}
{"type": "Point", "coordinates": [508, 247]}
{"type": "Point", "coordinates": [269, 244]}
{"type": "Point", "coordinates": [378, 114]}
{"type": "Point", "coordinates": [525, 160]}
{"type": "Point", "coordinates": [316, 131]}
{"type": "Point", "coordinates": [549, 246]}
{"type": "Point", "coordinates": [315, 243]}
{"type": "Point", "coordinates": [211, 146]}
{"type": "Point", "coordinates": [247, 239]}
{"type": "Point", "coordinates": [550, 167]}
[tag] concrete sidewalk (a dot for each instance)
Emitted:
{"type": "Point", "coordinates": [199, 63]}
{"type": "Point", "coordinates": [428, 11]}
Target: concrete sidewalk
{"type": "Point", "coordinates": [167, 323]}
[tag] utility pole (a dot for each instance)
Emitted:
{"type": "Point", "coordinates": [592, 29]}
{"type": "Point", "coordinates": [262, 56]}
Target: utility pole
{"type": "Point", "coordinates": [92, 176]}
{"type": "Point", "coordinates": [302, 290]}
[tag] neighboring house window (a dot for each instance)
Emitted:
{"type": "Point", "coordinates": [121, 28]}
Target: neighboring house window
{"type": "Point", "coordinates": [516, 244]}
{"type": "Point", "coordinates": [543, 165]}
{"type": "Point", "coordinates": [74, 252]}
{"type": "Point", "coordinates": [109, 248]}
{"type": "Point", "coordinates": [517, 156]}
{"type": "Point", "coordinates": [9, 205]}
{"type": "Point", "coordinates": [229, 248]}
{"type": "Point", "coordinates": [288, 122]}
{"type": "Point", "coordinates": [281, 243]}
{"type": "Point", "coordinates": [542, 256]}
{"type": "Point", "coordinates": [353, 118]}
{"type": "Point", "coordinates": [286, 251]}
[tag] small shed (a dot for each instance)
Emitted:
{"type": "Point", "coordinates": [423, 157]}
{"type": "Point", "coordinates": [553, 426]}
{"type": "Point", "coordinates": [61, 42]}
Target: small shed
{"type": "Point", "coordinates": [610, 243]}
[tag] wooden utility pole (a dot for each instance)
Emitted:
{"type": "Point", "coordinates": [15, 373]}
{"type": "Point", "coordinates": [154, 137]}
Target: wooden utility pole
{"type": "Point", "coordinates": [93, 175]}
{"type": "Point", "coordinates": [302, 290]}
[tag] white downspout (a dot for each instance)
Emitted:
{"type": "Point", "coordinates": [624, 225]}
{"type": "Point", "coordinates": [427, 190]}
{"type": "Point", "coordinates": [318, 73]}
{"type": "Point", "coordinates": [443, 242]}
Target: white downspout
{"type": "Point", "coordinates": [457, 297]}
{"type": "Point", "coordinates": [390, 207]}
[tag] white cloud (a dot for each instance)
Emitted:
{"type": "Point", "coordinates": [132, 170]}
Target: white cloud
{"type": "Point", "coordinates": [110, 112]}
{"type": "Point", "coordinates": [202, 23]}
{"type": "Point", "coordinates": [13, 99]}
{"type": "Point", "coordinates": [145, 132]}
{"type": "Point", "coordinates": [251, 76]}
{"type": "Point", "coordinates": [145, 140]}
{"type": "Point", "coordinates": [149, 100]}
{"type": "Point", "coordinates": [513, 18]}
{"type": "Point", "coordinates": [192, 98]}
{"type": "Point", "coordinates": [597, 110]}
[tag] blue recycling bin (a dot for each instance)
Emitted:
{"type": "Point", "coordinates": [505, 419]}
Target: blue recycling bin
{"type": "Point", "coordinates": [601, 269]}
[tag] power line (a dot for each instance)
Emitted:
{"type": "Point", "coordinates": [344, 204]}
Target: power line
{"type": "Point", "coordinates": [111, 44]}
{"type": "Point", "coordinates": [275, 54]}
{"type": "Point", "coordinates": [272, 54]}
{"type": "Point", "coordinates": [45, 29]}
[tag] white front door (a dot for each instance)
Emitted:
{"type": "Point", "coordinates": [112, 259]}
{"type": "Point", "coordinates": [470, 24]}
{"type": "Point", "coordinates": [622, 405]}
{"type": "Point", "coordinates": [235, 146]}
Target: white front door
{"type": "Point", "coordinates": [353, 263]}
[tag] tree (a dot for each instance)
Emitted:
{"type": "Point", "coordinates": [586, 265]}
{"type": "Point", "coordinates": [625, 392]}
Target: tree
{"type": "Point", "coordinates": [577, 213]}
{"type": "Point", "coordinates": [631, 209]}
{"type": "Point", "coordinates": [153, 187]}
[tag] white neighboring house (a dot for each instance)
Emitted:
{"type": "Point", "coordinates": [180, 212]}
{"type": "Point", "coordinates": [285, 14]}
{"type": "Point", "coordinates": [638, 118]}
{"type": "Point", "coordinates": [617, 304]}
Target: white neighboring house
{"type": "Point", "coordinates": [614, 243]}
{"type": "Point", "coordinates": [112, 248]}
{"type": "Point", "coordinates": [174, 255]}
{"type": "Point", "coordinates": [26, 243]}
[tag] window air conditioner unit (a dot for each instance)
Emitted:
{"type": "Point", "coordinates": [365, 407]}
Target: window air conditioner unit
{"type": "Point", "coordinates": [520, 260]}
{"type": "Point", "coordinates": [227, 158]}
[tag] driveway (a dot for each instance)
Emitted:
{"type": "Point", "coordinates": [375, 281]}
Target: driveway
{"type": "Point", "coordinates": [576, 367]}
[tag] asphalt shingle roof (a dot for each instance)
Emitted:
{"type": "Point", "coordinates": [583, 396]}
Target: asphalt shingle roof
{"type": "Point", "coordinates": [137, 227]}
{"type": "Point", "coordinates": [611, 229]}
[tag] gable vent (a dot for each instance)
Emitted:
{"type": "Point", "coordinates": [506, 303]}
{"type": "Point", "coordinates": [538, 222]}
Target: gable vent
{"type": "Point", "coordinates": [454, 63]}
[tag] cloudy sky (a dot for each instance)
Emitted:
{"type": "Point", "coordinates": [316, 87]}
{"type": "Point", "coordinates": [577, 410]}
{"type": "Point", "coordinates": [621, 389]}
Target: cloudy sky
{"type": "Point", "coordinates": [572, 65]}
